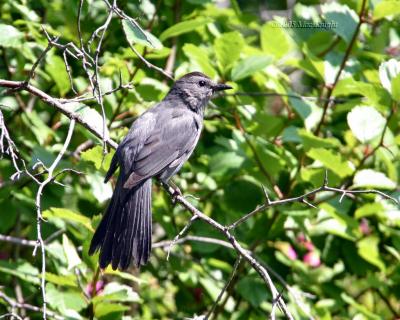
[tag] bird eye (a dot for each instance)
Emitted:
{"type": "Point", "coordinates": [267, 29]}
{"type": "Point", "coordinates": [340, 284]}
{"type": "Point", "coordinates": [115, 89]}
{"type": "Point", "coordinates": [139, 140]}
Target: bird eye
{"type": "Point", "coordinates": [202, 83]}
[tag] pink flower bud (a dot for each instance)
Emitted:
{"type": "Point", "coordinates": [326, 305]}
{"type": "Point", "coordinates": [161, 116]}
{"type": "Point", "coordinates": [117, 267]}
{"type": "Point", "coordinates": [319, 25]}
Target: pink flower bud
{"type": "Point", "coordinates": [312, 259]}
{"type": "Point", "coordinates": [291, 253]}
{"type": "Point", "coordinates": [364, 227]}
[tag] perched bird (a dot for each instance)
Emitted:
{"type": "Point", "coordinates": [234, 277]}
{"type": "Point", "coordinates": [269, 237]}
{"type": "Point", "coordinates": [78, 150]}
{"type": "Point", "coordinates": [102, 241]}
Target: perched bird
{"type": "Point", "coordinates": [157, 145]}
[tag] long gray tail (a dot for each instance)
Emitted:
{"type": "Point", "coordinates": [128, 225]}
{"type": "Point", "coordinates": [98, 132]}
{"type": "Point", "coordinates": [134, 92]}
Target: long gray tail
{"type": "Point", "coordinates": [125, 229]}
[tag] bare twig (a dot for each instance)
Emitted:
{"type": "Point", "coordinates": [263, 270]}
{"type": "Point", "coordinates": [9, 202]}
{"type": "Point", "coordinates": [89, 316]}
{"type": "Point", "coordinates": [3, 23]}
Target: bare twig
{"type": "Point", "coordinates": [149, 64]}
{"type": "Point", "coordinates": [235, 268]}
{"type": "Point", "coordinates": [180, 234]}
{"type": "Point", "coordinates": [11, 149]}
{"type": "Point", "coordinates": [15, 304]}
{"type": "Point", "coordinates": [40, 243]}
{"type": "Point", "coordinates": [64, 108]}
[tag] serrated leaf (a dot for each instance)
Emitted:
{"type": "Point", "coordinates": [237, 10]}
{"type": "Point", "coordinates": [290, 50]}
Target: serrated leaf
{"type": "Point", "coordinates": [70, 252]}
{"type": "Point", "coordinates": [248, 66]}
{"type": "Point", "coordinates": [332, 161]}
{"type": "Point", "coordinates": [368, 249]}
{"type": "Point", "coordinates": [184, 27]}
{"type": "Point", "coordinates": [366, 123]}
{"type": "Point", "coordinates": [135, 34]}
{"type": "Point", "coordinates": [386, 9]}
{"type": "Point", "coordinates": [10, 37]}
{"type": "Point", "coordinates": [69, 216]}
{"type": "Point", "coordinates": [227, 49]}
{"type": "Point", "coordinates": [274, 40]}
{"type": "Point", "coordinates": [345, 19]}
{"type": "Point", "coordinates": [369, 178]}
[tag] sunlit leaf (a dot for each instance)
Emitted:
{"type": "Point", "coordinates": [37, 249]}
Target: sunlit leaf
{"type": "Point", "coordinates": [184, 27]}
{"type": "Point", "coordinates": [10, 36]}
{"type": "Point", "coordinates": [249, 66]}
{"type": "Point", "coordinates": [366, 123]}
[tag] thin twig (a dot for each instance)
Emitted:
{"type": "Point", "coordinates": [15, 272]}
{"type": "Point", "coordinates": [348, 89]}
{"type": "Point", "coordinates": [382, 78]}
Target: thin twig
{"type": "Point", "coordinates": [235, 268]}
{"type": "Point", "coordinates": [332, 86]}
{"type": "Point", "coordinates": [40, 243]}
{"type": "Point", "coordinates": [15, 304]}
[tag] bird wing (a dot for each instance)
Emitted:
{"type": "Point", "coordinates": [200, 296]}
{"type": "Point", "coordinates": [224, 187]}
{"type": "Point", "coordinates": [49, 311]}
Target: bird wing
{"type": "Point", "coordinates": [173, 134]}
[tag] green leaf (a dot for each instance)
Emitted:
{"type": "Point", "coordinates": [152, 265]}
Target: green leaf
{"type": "Point", "coordinates": [200, 56]}
{"type": "Point", "coordinates": [369, 209]}
{"type": "Point", "coordinates": [248, 66]}
{"type": "Point", "coordinates": [135, 34]}
{"type": "Point", "coordinates": [311, 141]}
{"type": "Point", "coordinates": [359, 307]}
{"type": "Point", "coordinates": [368, 249]}
{"type": "Point", "coordinates": [94, 155]}
{"type": "Point", "coordinates": [389, 70]}
{"type": "Point", "coordinates": [68, 216]}
{"type": "Point", "coordinates": [114, 291]}
{"type": "Point", "coordinates": [369, 178]}
{"type": "Point", "coordinates": [222, 162]}
{"type": "Point", "coordinates": [307, 110]}
{"type": "Point", "coordinates": [10, 37]}
{"type": "Point", "coordinates": [252, 289]}
{"type": "Point", "coordinates": [102, 191]}
{"type": "Point", "coordinates": [366, 123]}
{"type": "Point", "coordinates": [68, 303]}
{"type": "Point", "coordinates": [228, 48]}
{"type": "Point", "coordinates": [88, 115]}
{"type": "Point", "coordinates": [332, 161]}
{"type": "Point", "coordinates": [104, 309]}
{"type": "Point", "coordinates": [184, 27]}
{"type": "Point", "coordinates": [274, 40]}
{"type": "Point", "coordinates": [395, 85]}
{"type": "Point", "coordinates": [386, 9]}
{"type": "Point", "coordinates": [333, 222]}
{"type": "Point", "coordinates": [55, 67]}
{"type": "Point", "coordinates": [345, 19]}
{"type": "Point", "coordinates": [70, 252]}
{"type": "Point", "coordinates": [62, 280]}
{"type": "Point", "coordinates": [21, 269]}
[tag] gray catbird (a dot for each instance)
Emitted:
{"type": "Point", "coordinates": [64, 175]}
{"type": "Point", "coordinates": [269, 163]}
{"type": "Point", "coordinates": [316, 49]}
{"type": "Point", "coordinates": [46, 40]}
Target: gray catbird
{"type": "Point", "coordinates": [157, 145]}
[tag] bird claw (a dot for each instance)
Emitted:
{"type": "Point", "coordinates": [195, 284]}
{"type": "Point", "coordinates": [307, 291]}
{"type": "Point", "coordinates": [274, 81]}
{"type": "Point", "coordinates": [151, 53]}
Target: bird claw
{"type": "Point", "coordinates": [177, 193]}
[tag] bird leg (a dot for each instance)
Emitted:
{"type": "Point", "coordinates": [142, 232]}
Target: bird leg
{"type": "Point", "coordinates": [176, 193]}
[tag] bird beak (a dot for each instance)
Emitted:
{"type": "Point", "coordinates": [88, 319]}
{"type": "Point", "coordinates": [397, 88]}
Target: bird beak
{"type": "Point", "coordinates": [221, 87]}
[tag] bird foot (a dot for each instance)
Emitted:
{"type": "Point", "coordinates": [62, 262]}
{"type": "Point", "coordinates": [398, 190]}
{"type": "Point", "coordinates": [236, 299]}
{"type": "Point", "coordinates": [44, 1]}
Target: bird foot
{"type": "Point", "coordinates": [177, 193]}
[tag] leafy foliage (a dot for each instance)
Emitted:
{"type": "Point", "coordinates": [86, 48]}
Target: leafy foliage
{"type": "Point", "coordinates": [319, 99]}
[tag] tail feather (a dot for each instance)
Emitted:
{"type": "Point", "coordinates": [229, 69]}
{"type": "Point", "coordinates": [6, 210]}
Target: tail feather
{"type": "Point", "coordinates": [125, 230]}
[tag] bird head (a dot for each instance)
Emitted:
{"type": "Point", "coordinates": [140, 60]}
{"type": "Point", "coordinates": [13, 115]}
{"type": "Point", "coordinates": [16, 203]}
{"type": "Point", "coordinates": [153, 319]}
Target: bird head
{"type": "Point", "coordinates": [196, 89]}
